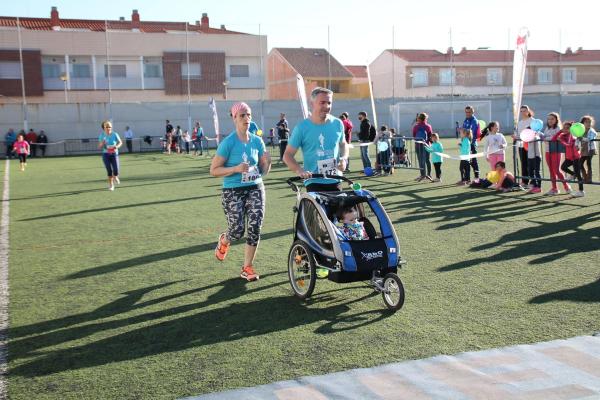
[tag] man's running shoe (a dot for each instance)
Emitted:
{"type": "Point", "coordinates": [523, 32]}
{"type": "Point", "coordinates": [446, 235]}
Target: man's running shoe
{"type": "Point", "coordinates": [249, 274]}
{"type": "Point", "coordinates": [221, 249]}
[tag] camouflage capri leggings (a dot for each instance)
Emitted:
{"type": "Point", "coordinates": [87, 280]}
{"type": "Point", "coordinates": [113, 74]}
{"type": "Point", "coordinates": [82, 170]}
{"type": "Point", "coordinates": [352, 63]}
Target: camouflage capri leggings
{"type": "Point", "coordinates": [241, 205]}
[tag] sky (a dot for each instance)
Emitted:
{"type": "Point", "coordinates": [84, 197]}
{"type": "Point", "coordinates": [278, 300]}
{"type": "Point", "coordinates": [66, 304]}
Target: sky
{"type": "Point", "coordinates": [358, 31]}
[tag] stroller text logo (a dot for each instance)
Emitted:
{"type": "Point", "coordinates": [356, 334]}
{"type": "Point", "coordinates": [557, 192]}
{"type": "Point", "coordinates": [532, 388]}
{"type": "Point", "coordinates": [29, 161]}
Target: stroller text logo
{"type": "Point", "coordinates": [372, 256]}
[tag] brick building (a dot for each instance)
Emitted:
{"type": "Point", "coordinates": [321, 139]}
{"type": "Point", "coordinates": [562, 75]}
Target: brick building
{"type": "Point", "coordinates": [147, 60]}
{"type": "Point", "coordinates": [431, 73]}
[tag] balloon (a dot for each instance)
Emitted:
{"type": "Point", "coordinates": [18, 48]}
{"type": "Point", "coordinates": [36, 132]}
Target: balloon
{"type": "Point", "coordinates": [527, 135]}
{"type": "Point", "coordinates": [368, 171]}
{"type": "Point", "coordinates": [382, 146]}
{"type": "Point", "coordinates": [356, 186]}
{"type": "Point", "coordinates": [577, 129]}
{"type": "Point", "coordinates": [482, 124]}
{"type": "Point", "coordinates": [536, 125]}
{"type": "Point", "coordinates": [259, 132]}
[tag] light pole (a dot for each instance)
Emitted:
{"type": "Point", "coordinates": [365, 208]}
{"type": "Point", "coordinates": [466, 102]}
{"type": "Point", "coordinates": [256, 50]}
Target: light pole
{"type": "Point", "coordinates": [225, 84]}
{"type": "Point", "coordinates": [65, 78]}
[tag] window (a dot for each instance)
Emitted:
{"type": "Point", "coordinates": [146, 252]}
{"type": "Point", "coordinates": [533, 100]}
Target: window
{"type": "Point", "coordinates": [569, 75]}
{"type": "Point", "coordinates": [419, 77]}
{"type": "Point", "coordinates": [316, 225]}
{"type": "Point", "coordinates": [81, 71]}
{"type": "Point", "coordinates": [51, 70]}
{"type": "Point", "coordinates": [447, 76]}
{"type": "Point", "coordinates": [544, 76]}
{"type": "Point", "coordinates": [191, 71]}
{"type": "Point", "coordinates": [494, 76]}
{"type": "Point", "coordinates": [116, 71]}
{"type": "Point", "coordinates": [239, 71]}
{"type": "Point", "coordinates": [336, 87]}
{"type": "Point", "coordinates": [526, 79]}
{"type": "Point", "coordinates": [10, 70]}
{"type": "Point", "coordinates": [152, 71]}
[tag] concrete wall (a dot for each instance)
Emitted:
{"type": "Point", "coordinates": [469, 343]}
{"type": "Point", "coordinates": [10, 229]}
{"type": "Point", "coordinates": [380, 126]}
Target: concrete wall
{"type": "Point", "coordinates": [72, 121]}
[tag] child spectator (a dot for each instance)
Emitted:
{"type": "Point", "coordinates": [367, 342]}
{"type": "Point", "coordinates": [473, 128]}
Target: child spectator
{"type": "Point", "coordinates": [495, 144]}
{"type": "Point", "coordinates": [505, 180]}
{"type": "Point", "coordinates": [21, 147]}
{"type": "Point", "coordinates": [351, 227]}
{"type": "Point", "coordinates": [436, 159]}
{"type": "Point", "coordinates": [465, 150]}
{"type": "Point", "coordinates": [384, 152]}
{"type": "Point", "coordinates": [588, 148]}
{"type": "Point", "coordinates": [534, 160]}
{"type": "Point", "coordinates": [554, 151]}
{"type": "Point", "coordinates": [572, 156]}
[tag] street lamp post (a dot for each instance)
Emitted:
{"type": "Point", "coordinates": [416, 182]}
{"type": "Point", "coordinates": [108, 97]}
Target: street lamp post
{"type": "Point", "coordinates": [225, 84]}
{"type": "Point", "coordinates": [65, 78]}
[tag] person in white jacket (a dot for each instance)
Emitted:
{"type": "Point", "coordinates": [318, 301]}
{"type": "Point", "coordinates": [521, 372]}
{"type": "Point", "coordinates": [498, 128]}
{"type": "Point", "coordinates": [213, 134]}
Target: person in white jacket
{"type": "Point", "coordinates": [588, 148]}
{"type": "Point", "coordinates": [495, 144]}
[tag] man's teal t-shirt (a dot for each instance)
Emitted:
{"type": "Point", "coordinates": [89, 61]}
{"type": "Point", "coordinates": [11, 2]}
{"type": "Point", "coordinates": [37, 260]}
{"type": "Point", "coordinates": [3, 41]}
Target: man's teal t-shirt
{"type": "Point", "coordinates": [234, 151]}
{"type": "Point", "coordinates": [111, 141]}
{"type": "Point", "coordinates": [318, 142]}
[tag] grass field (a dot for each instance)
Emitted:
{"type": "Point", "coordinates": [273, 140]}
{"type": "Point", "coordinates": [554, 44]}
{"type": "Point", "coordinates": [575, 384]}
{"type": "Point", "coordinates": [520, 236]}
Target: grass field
{"type": "Point", "coordinates": [117, 295]}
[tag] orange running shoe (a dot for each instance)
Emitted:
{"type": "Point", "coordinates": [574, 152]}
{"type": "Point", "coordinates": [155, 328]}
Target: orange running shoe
{"type": "Point", "coordinates": [249, 274]}
{"type": "Point", "coordinates": [221, 249]}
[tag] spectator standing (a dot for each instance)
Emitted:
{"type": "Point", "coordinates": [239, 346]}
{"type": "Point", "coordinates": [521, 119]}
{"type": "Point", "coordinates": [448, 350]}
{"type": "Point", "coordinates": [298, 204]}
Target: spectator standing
{"type": "Point", "coordinates": [31, 138]}
{"type": "Point", "coordinates": [42, 142]}
{"type": "Point", "coordinates": [197, 136]}
{"type": "Point", "coordinates": [186, 139]}
{"type": "Point", "coordinates": [472, 124]}
{"type": "Point", "coordinates": [10, 138]}
{"type": "Point", "coordinates": [128, 139]}
{"type": "Point", "coordinates": [364, 137]}
{"type": "Point", "coordinates": [526, 115]}
{"type": "Point", "coordinates": [283, 133]}
{"type": "Point", "coordinates": [554, 151]}
{"type": "Point", "coordinates": [588, 147]}
{"type": "Point", "coordinates": [348, 133]}
{"type": "Point", "coordinates": [422, 135]}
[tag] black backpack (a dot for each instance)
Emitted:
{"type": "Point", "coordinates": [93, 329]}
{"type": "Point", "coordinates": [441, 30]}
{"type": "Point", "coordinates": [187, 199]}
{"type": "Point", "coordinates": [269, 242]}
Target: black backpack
{"type": "Point", "coordinates": [372, 133]}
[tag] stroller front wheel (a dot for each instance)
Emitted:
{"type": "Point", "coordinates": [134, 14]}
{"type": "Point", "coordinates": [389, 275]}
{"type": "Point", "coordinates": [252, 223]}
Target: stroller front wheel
{"type": "Point", "coordinates": [393, 291]}
{"type": "Point", "coordinates": [301, 270]}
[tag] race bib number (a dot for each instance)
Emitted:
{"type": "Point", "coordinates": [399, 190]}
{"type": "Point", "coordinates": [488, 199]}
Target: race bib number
{"type": "Point", "coordinates": [327, 167]}
{"type": "Point", "coordinates": [250, 176]}
{"type": "Point", "coordinates": [111, 149]}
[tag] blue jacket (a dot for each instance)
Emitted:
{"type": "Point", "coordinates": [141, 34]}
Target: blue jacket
{"type": "Point", "coordinates": [472, 124]}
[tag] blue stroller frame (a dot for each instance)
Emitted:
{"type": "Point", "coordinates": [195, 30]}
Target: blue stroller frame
{"type": "Point", "coordinates": [320, 244]}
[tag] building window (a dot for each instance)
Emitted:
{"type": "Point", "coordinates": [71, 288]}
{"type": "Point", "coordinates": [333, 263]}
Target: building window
{"type": "Point", "coordinates": [526, 79]}
{"type": "Point", "coordinates": [81, 71]}
{"type": "Point", "coordinates": [152, 71]}
{"type": "Point", "coordinates": [336, 87]}
{"type": "Point", "coordinates": [116, 71]}
{"type": "Point", "coordinates": [239, 71]}
{"type": "Point", "coordinates": [419, 77]}
{"type": "Point", "coordinates": [10, 70]}
{"type": "Point", "coordinates": [544, 76]}
{"type": "Point", "coordinates": [569, 75]}
{"type": "Point", "coordinates": [447, 77]}
{"type": "Point", "coordinates": [191, 71]}
{"type": "Point", "coordinates": [494, 76]}
{"type": "Point", "coordinates": [51, 70]}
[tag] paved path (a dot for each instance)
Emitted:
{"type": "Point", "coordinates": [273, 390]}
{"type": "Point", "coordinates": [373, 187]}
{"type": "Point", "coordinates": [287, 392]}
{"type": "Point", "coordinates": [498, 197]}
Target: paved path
{"type": "Point", "coordinates": [556, 370]}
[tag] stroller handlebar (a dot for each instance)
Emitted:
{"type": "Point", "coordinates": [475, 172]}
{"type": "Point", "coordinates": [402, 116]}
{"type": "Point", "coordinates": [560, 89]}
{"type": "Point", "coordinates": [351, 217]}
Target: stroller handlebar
{"type": "Point", "coordinates": [294, 185]}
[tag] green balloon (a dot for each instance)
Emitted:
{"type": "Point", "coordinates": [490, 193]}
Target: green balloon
{"type": "Point", "coordinates": [482, 124]}
{"type": "Point", "coordinates": [356, 186]}
{"type": "Point", "coordinates": [577, 129]}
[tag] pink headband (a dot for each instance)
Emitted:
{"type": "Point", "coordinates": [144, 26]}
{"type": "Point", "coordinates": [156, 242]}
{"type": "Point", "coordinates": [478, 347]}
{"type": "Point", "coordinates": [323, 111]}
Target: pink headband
{"type": "Point", "coordinates": [237, 107]}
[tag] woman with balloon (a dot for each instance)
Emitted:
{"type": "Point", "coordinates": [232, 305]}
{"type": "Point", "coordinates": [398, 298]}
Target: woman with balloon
{"type": "Point", "coordinates": [570, 137]}
{"type": "Point", "coordinates": [524, 123]}
{"type": "Point", "coordinates": [534, 153]}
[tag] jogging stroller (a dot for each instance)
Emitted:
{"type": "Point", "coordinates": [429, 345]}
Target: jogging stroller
{"type": "Point", "coordinates": [401, 156]}
{"type": "Point", "coordinates": [319, 243]}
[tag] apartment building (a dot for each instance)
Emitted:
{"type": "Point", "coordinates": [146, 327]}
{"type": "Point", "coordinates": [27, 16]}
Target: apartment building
{"type": "Point", "coordinates": [431, 73]}
{"type": "Point", "coordinates": [88, 61]}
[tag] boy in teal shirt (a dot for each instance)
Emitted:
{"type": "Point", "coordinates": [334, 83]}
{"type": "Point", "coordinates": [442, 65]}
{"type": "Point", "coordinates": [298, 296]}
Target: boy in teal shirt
{"type": "Point", "coordinates": [436, 149]}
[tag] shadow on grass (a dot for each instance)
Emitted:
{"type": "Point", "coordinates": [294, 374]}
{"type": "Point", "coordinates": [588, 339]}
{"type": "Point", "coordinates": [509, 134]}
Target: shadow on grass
{"type": "Point", "coordinates": [585, 293]}
{"type": "Point", "coordinates": [226, 324]}
{"type": "Point", "coordinates": [536, 241]}
{"type": "Point", "coordinates": [118, 207]}
{"type": "Point", "coordinates": [165, 255]}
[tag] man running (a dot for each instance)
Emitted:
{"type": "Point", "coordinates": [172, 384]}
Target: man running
{"type": "Point", "coordinates": [324, 147]}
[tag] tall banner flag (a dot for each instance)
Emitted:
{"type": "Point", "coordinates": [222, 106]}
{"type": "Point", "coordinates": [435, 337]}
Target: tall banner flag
{"type": "Point", "coordinates": [213, 106]}
{"type": "Point", "coordinates": [302, 95]}
{"type": "Point", "coordinates": [519, 63]}
{"type": "Point", "coordinates": [372, 98]}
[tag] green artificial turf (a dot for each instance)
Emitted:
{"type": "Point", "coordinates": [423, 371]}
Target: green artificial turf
{"type": "Point", "coordinates": [117, 295]}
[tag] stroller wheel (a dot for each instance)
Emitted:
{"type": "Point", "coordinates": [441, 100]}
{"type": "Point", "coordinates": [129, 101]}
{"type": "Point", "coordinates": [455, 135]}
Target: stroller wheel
{"type": "Point", "coordinates": [393, 291]}
{"type": "Point", "coordinates": [301, 270]}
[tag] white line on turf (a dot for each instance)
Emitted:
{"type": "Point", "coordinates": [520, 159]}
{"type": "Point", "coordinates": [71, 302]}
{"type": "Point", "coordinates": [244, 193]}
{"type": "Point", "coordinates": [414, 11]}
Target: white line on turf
{"type": "Point", "coordinates": [4, 285]}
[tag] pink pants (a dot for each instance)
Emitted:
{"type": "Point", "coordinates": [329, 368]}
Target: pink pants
{"type": "Point", "coordinates": [553, 161]}
{"type": "Point", "coordinates": [494, 158]}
